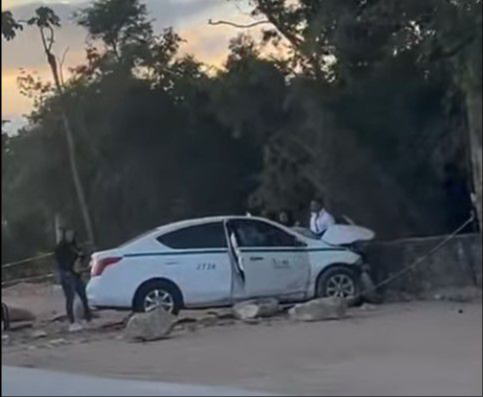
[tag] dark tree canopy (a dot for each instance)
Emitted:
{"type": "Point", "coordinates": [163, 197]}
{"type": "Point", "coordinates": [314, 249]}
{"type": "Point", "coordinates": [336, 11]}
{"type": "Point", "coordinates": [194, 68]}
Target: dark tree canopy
{"type": "Point", "coordinates": [9, 26]}
{"type": "Point", "coordinates": [370, 104]}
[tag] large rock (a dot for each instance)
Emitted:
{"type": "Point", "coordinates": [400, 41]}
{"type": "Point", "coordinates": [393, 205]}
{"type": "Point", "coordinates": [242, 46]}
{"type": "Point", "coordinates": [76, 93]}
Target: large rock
{"type": "Point", "coordinates": [39, 334]}
{"type": "Point", "coordinates": [57, 342]}
{"type": "Point", "coordinates": [254, 309]}
{"type": "Point", "coordinates": [209, 320]}
{"type": "Point", "coordinates": [222, 314]}
{"type": "Point", "coordinates": [319, 310]}
{"type": "Point", "coordinates": [154, 325]}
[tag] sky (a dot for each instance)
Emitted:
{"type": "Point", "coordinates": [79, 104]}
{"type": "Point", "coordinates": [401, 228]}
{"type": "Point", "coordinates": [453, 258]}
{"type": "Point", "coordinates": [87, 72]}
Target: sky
{"type": "Point", "coordinates": [16, 3]}
{"type": "Point", "coordinates": [188, 17]}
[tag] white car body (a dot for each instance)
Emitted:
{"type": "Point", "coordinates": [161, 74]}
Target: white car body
{"type": "Point", "coordinates": [217, 276]}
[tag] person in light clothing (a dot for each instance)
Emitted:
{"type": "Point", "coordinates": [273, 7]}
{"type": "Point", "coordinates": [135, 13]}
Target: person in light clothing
{"type": "Point", "coordinates": [320, 219]}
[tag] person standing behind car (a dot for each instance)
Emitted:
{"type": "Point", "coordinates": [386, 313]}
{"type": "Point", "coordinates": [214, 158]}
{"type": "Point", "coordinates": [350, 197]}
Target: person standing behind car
{"type": "Point", "coordinates": [320, 219]}
{"type": "Point", "coordinates": [66, 256]}
{"type": "Point", "coordinates": [286, 218]}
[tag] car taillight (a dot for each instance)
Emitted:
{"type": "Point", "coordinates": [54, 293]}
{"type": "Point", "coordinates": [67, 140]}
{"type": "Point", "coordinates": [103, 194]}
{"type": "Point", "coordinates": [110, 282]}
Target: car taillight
{"type": "Point", "coordinates": [100, 265]}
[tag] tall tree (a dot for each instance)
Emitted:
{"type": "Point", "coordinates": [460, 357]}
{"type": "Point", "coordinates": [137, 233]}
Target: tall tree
{"type": "Point", "coordinates": [458, 39]}
{"type": "Point", "coordinates": [46, 22]}
{"type": "Point", "coordinates": [351, 49]}
{"type": "Point", "coordinates": [116, 23]}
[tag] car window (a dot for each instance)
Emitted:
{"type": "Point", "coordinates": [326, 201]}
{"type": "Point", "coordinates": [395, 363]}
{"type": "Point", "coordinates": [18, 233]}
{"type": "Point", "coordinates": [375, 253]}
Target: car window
{"type": "Point", "coordinates": [135, 239]}
{"type": "Point", "coordinates": [251, 233]}
{"type": "Point", "coordinates": [305, 232]}
{"type": "Point", "coordinates": [211, 235]}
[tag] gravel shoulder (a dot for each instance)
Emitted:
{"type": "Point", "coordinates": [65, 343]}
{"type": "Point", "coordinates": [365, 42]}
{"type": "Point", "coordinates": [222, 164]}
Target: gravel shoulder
{"type": "Point", "coordinates": [423, 348]}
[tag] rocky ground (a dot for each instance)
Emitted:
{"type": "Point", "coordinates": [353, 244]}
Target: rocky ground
{"type": "Point", "coordinates": [419, 348]}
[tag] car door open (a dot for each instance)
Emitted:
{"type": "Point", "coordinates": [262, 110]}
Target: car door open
{"type": "Point", "coordinates": [199, 259]}
{"type": "Point", "coordinates": [273, 262]}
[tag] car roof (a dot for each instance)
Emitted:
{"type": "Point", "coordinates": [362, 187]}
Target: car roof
{"type": "Point", "coordinates": [171, 227]}
{"type": "Point", "coordinates": [201, 221]}
{"type": "Point", "coordinates": [175, 226]}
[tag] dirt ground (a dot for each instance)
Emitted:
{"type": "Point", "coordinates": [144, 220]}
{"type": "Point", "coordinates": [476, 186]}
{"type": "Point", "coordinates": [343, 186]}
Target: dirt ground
{"type": "Point", "coordinates": [421, 348]}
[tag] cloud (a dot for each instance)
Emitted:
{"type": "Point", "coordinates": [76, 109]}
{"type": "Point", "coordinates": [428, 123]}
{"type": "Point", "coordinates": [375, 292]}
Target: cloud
{"type": "Point", "coordinates": [179, 13]}
{"type": "Point", "coordinates": [13, 104]}
{"type": "Point", "coordinates": [207, 45]}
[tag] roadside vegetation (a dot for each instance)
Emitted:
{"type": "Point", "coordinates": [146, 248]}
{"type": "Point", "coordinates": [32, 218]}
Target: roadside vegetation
{"type": "Point", "coordinates": [374, 104]}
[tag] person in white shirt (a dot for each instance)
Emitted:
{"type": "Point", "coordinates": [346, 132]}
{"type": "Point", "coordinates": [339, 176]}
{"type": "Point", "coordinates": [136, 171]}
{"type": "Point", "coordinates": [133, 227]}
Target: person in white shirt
{"type": "Point", "coordinates": [320, 219]}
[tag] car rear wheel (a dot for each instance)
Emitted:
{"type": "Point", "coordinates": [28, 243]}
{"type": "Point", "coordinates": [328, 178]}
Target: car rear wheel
{"type": "Point", "coordinates": [156, 294]}
{"type": "Point", "coordinates": [338, 282]}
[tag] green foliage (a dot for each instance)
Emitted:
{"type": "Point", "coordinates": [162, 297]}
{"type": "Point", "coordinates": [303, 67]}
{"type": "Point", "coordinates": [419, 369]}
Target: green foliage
{"type": "Point", "coordinates": [117, 23]}
{"type": "Point", "coordinates": [249, 95]}
{"type": "Point", "coordinates": [45, 17]}
{"type": "Point", "coordinates": [364, 108]}
{"type": "Point", "coordinates": [458, 37]}
{"type": "Point", "coordinates": [379, 97]}
{"type": "Point", "coordinates": [9, 26]}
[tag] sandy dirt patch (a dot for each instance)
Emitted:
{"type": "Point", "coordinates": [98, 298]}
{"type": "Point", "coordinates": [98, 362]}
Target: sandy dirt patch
{"type": "Point", "coordinates": [424, 348]}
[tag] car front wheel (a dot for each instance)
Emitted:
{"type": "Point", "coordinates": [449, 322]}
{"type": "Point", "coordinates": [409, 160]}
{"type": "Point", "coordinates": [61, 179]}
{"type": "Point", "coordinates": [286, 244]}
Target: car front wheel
{"type": "Point", "coordinates": [158, 294]}
{"type": "Point", "coordinates": [338, 282]}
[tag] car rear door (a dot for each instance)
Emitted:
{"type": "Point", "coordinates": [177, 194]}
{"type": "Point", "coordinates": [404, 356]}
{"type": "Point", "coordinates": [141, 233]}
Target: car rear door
{"type": "Point", "coordinates": [199, 263]}
{"type": "Point", "coordinates": [274, 262]}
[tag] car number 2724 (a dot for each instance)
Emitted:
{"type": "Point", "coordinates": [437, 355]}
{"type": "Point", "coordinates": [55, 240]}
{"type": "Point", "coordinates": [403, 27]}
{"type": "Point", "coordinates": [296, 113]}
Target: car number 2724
{"type": "Point", "coordinates": [205, 266]}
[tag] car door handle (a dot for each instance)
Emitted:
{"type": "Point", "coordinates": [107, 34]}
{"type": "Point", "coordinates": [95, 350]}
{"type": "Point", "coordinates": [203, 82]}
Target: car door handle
{"type": "Point", "coordinates": [256, 258]}
{"type": "Point", "coordinates": [172, 263]}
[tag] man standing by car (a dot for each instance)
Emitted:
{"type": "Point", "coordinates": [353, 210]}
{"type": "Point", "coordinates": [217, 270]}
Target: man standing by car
{"type": "Point", "coordinates": [320, 219]}
{"type": "Point", "coordinates": [286, 218]}
{"type": "Point", "coordinates": [66, 255]}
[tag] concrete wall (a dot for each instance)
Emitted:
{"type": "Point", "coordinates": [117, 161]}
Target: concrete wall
{"type": "Point", "coordinates": [457, 264]}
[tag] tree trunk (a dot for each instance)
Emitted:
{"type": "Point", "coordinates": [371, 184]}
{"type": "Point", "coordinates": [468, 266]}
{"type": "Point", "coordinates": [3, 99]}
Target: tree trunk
{"type": "Point", "coordinates": [77, 180]}
{"type": "Point", "coordinates": [71, 150]}
{"type": "Point", "coordinates": [474, 104]}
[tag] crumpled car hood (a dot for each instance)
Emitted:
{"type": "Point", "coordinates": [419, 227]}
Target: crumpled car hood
{"type": "Point", "coordinates": [347, 234]}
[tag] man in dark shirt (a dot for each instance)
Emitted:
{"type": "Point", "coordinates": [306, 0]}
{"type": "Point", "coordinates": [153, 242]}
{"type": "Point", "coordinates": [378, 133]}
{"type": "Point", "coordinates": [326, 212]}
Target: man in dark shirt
{"type": "Point", "coordinates": [286, 218]}
{"type": "Point", "coordinates": [66, 255]}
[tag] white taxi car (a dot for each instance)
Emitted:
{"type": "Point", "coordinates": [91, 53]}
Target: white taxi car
{"type": "Point", "coordinates": [218, 261]}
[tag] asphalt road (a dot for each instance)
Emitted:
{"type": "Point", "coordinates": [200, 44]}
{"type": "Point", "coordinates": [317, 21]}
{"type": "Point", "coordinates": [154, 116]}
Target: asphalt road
{"type": "Point", "coordinates": [34, 382]}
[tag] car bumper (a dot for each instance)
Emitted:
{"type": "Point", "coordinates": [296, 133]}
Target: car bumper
{"type": "Point", "coordinates": [101, 296]}
{"type": "Point", "coordinates": [94, 294]}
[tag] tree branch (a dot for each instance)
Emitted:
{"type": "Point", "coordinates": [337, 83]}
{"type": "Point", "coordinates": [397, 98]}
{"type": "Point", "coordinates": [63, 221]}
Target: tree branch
{"type": "Point", "coordinates": [61, 66]}
{"type": "Point", "coordinates": [44, 40]}
{"type": "Point", "coordinates": [236, 25]}
{"type": "Point", "coordinates": [51, 38]}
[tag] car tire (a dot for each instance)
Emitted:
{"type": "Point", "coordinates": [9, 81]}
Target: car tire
{"type": "Point", "coordinates": [158, 292]}
{"type": "Point", "coordinates": [340, 282]}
